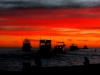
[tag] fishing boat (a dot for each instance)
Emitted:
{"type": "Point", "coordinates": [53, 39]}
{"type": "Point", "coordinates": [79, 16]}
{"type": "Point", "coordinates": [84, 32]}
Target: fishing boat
{"type": "Point", "coordinates": [74, 47]}
{"type": "Point", "coordinates": [26, 45]}
{"type": "Point", "coordinates": [85, 47]}
{"type": "Point", "coordinates": [45, 49]}
{"type": "Point", "coordinates": [59, 48]}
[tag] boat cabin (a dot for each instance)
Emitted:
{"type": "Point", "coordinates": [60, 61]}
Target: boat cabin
{"type": "Point", "coordinates": [26, 45]}
{"type": "Point", "coordinates": [45, 48]}
{"type": "Point", "coordinates": [60, 48]}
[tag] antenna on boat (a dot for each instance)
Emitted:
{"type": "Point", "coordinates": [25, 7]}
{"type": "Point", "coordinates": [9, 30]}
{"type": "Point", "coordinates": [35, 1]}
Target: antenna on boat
{"type": "Point", "coordinates": [40, 35]}
{"type": "Point", "coordinates": [54, 41]}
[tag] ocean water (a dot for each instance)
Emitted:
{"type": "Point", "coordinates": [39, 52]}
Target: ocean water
{"type": "Point", "coordinates": [12, 59]}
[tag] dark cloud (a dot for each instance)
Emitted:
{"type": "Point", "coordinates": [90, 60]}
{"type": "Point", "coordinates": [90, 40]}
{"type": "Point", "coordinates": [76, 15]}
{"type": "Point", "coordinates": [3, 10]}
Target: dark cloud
{"type": "Point", "coordinates": [18, 28]}
{"type": "Point", "coordinates": [48, 3]}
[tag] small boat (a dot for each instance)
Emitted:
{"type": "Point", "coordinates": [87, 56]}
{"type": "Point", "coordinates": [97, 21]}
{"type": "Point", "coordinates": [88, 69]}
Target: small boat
{"type": "Point", "coordinates": [59, 49]}
{"type": "Point", "coordinates": [26, 45]}
{"type": "Point", "coordinates": [74, 47]}
{"type": "Point", "coordinates": [85, 47]}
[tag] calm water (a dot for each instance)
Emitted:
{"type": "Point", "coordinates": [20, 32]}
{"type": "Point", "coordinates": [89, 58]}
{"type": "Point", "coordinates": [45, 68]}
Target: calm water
{"type": "Point", "coordinates": [12, 59]}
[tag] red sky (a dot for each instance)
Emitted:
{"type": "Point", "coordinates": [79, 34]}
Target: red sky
{"type": "Point", "coordinates": [79, 26]}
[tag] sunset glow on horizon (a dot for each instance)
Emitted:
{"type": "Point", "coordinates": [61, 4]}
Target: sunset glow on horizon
{"type": "Point", "coordinates": [79, 26]}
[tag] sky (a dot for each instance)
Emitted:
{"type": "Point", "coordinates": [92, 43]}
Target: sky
{"type": "Point", "coordinates": [79, 26]}
{"type": "Point", "coordinates": [48, 3]}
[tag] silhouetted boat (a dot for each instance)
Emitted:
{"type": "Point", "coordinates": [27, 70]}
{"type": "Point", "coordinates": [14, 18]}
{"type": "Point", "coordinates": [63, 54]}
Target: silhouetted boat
{"type": "Point", "coordinates": [73, 47]}
{"type": "Point", "coordinates": [59, 49]}
{"type": "Point", "coordinates": [85, 47]}
{"type": "Point", "coordinates": [45, 50]}
{"type": "Point", "coordinates": [26, 45]}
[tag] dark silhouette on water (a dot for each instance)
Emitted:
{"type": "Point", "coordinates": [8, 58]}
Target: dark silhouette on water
{"type": "Point", "coordinates": [86, 61]}
{"type": "Point", "coordinates": [45, 49]}
{"type": "Point", "coordinates": [59, 49]}
{"type": "Point", "coordinates": [85, 47]}
{"type": "Point", "coordinates": [26, 45]}
{"type": "Point", "coordinates": [73, 47]}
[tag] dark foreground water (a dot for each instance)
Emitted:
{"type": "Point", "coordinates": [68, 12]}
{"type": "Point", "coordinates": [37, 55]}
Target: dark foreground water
{"type": "Point", "coordinates": [12, 59]}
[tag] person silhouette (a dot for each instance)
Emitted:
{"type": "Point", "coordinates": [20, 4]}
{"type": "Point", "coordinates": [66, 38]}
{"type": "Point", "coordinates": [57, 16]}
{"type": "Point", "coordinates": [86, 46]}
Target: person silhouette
{"type": "Point", "coordinates": [86, 61]}
{"type": "Point", "coordinates": [38, 60]}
